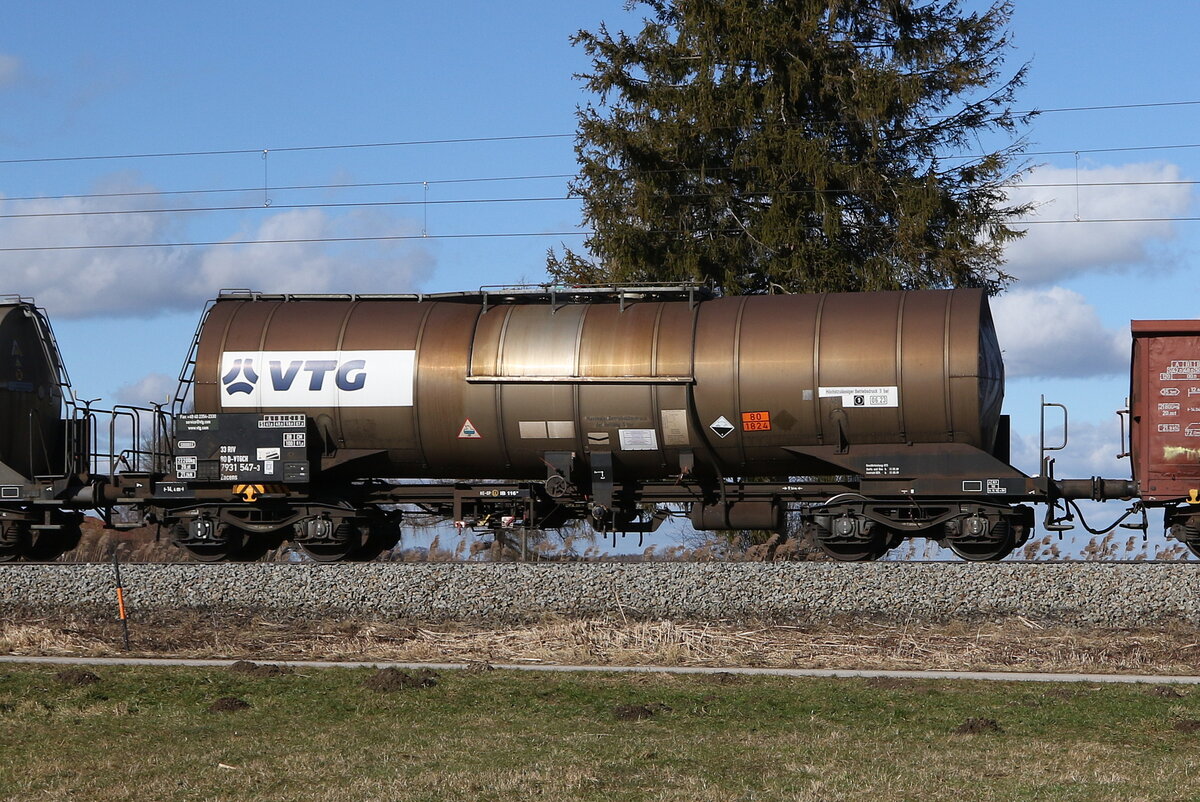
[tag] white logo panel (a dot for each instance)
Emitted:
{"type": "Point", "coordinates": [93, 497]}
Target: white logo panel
{"type": "Point", "coordinates": [266, 379]}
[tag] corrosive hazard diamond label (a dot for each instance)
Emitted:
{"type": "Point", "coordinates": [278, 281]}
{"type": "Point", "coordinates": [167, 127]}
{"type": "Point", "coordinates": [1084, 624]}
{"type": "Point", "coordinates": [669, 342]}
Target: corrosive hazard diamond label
{"type": "Point", "coordinates": [721, 426]}
{"type": "Point", "coordinates": [468, 431]}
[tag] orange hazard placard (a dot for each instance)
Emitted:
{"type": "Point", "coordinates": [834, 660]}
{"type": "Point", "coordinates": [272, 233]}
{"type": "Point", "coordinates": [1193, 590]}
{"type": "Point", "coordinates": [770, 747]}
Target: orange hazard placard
{"type": "Point", "coordinates": [756, 421]}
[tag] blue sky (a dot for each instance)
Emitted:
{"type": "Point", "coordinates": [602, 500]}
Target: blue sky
{"type": "Point", "coordinates": [84, 79]}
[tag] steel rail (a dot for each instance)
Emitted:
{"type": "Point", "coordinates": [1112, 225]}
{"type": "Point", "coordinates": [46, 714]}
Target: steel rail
{"type": "Point", "coordinates": [613, 561]}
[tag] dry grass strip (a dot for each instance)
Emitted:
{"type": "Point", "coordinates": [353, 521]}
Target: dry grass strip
{"type": "Point", "coordinates": [1014, 644]}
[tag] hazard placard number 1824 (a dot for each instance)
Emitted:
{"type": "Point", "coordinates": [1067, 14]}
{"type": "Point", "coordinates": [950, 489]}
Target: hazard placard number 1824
{"type": "Point", "coordinates": [756, 421]}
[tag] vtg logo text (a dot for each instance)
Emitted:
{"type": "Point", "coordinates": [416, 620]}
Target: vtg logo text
{"type": "Point", "coordinates": [348, 376]}
{"type": "Point", "coordinates": [306, 379]}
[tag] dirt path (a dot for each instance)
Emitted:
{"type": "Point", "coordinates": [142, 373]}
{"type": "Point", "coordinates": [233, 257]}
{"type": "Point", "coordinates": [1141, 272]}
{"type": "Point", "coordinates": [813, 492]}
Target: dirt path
{"type": "Point", "coordinates": [898, 676]}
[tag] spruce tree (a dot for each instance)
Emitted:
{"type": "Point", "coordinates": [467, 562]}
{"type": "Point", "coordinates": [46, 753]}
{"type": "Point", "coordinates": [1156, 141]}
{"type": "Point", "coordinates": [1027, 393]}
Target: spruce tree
{"type": "Point", "coordinates": [798, 145]}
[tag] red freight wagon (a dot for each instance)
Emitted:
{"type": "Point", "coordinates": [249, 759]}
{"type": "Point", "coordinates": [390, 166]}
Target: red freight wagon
{"type": "Point", "coordinates": [1165, 409]}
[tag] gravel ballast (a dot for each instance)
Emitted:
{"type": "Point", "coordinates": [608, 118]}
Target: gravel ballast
{"type": "Point", "coordinates": [1091, 594]}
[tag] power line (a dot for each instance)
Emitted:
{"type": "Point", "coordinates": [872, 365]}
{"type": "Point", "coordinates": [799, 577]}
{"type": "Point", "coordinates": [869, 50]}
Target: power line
{"type": "Point", "coordinates": [1079, 151]}
{"type": "Point", "coordinates": [288, 188]}
{"type": "Point", "coordinates": [1186, 183]}
{"type": "Point", "coordinates": [273, 207]}
{"type": "Point", "coordinates": [507, 200]}
{"type": "Point", "coordinates": [295, 149]}
{"type": "Point", "coordinates": [484, 139]}
{"type": "Point", "coordinates": [1106, 220]}
{"type": "Point", "coordinates": [1114, 107]}
{"type": "Point", "coordinates": [498, 178]}
{"type": "Point", "coordinates": [549, 176]}
{"type": "Point", "coordinates": [490, 235]}
{"type": "Point", "coordinates": [1095, 150]}
{"type": "Point", "coordinates": [303, 240]}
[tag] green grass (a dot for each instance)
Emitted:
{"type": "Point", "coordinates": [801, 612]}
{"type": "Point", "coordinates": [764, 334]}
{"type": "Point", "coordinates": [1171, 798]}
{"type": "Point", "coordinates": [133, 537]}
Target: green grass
{"type": "Point", "coordinates": [147, 734]}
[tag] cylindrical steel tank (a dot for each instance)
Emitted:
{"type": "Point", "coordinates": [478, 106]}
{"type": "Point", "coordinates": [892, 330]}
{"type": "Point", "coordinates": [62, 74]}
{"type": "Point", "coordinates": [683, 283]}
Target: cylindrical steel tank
{"type": "Point", "coordinates": [464, 387]}
{"type": "Point", "coordinates": [30, 397]}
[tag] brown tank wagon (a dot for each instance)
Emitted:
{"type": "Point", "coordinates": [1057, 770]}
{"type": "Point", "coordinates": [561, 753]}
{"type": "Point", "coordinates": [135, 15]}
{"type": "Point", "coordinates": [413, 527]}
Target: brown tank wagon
{"type": "Point", "coordinates": [860, 420]}
{"type": "Point", "coordinates": [603, 403]}
{"type": "Point", "coordinates": [775, 385]}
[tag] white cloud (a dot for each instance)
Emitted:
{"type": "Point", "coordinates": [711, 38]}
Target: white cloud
{"type": "Point", "coordinates": [1055, 332]}
{"type": "Point", "coordinates": [146, 281]}
{"type": "Point", "coordinates": [1091, 450]}
{"type": "Point", "coordinates": [152, 388]}
{"type": "Point", "coordinates": [10, 70]}
{"type": "Point", "coordinates": [303, 267]}
{"type": "Point", "coordinates": [1051, 252]}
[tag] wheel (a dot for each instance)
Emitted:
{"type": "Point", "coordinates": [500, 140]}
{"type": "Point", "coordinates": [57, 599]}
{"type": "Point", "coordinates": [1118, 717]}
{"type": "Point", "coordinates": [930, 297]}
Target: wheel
{"type": "Point", "coordinates": [50, 544]}
{"type": "Point", "coordinates": [365, 553]}
{"type": "Point", "coordinates": [381, 536]}
{"type": "Point", "coordinates": [848, 549]}
{"type": "Point", "coordinates": [999, 544]}
{"type": "Point", "coordinates": [229, 543]}
{"type": "Point", "coordinates": [328, 552]}
{"type": "Point", "coordinates": [344, 543]}
{"type": "Point", "coordinates": [329, 539]}
{"type": "Point", "coordinates": [892, 539]}
{"type": "Point", "coordinates": [13, 539]}
{"type": "Point", "coordinates": [352, 540]}
{"type": "Point", "coordinates": [1187, 534]}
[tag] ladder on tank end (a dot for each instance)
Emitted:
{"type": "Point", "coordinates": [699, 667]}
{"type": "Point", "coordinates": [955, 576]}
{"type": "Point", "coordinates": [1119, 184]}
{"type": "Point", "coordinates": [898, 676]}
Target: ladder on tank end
{"type": "Point", "coordinates": [187, 373]}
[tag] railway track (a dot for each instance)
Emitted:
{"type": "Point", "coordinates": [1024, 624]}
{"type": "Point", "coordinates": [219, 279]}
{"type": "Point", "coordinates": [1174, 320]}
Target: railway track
{"type": "Point", "coordinates": [1186, 560]}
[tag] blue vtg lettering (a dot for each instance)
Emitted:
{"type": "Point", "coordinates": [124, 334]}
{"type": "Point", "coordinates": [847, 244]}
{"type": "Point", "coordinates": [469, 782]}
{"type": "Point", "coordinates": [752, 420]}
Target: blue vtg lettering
{"type": "Point", "coordinates": [307, 379]}
{"type": "Point", "coordinates": [348, 376]}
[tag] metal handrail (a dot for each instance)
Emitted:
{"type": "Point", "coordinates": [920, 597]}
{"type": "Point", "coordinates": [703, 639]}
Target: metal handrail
{"type": "Point", "coordinates": [1047, 463]}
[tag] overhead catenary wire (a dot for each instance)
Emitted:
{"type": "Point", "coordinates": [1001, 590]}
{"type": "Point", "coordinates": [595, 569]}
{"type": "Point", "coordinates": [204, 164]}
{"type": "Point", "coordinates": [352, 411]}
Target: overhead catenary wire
{"type": "Point", "coordinates": [50, 159]}
{"type": "Point", "coordinates": [487, 139]}
{"type": "Point", "coordinates": [1094, 220]}
{"type": "Point", "coordinates": [507, 138]}
{"type": "Point", "coordinates": [532, 177]}
{"type": "Point", "coordinates": [292, 149]}
{"type": "Point", "coordinates": [425, 202]}
{"type": "Point", "coordinates": [290, 187]}
{"type": "Point", "coordinates": [481, 235]}
{"type": "Point", "coordinates": [1072, 151]}
{"type": "Point", "coordinates": [298, 240]}
{"type": "Point", "coordinates": [274, 207]}
{"type": "Point", "coordinates": [503, 200]}
{"type": "Point", "coordinates": [1114, 107]}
